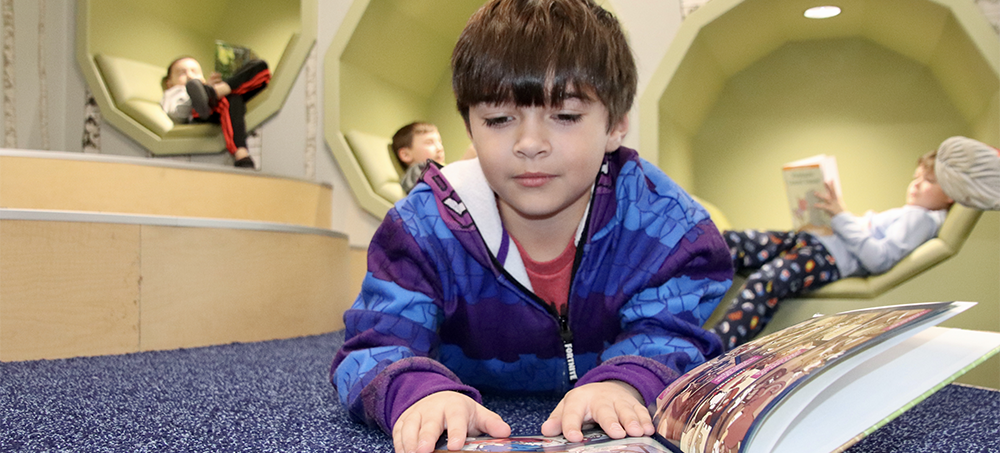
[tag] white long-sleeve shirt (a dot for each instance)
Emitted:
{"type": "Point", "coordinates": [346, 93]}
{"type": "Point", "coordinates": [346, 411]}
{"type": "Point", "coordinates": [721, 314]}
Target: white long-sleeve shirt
{"type": "Point", "coordinates": [177, 104]}
{"type": "Point", "coordinates": [876, 241]}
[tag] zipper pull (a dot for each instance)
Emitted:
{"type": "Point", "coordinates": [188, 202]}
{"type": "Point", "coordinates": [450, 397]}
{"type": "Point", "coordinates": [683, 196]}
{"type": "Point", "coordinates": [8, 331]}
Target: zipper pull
{"type": "Point", "coordinates": [567, 339]}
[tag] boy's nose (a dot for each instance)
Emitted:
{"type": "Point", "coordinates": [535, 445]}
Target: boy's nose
{"type": "Point", "coordinates": [531, 141]}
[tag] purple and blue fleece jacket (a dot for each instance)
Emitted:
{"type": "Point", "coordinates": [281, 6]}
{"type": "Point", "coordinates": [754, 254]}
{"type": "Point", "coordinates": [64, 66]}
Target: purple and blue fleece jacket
{"type": "Point", "coordinates": [447, 304]}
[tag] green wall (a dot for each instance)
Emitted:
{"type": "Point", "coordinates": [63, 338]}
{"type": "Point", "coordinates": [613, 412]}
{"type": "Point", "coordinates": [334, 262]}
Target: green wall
{"type": "Point", "coordinates": [872, 108]}
{"type": "Point", "coordinates": [158, 31]}
{"type": "Point", "coordinates": [395, 69]}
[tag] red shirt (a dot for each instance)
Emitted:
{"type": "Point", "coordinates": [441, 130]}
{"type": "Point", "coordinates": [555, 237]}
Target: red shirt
{"type": "Point", "coordinates": [550, 279]}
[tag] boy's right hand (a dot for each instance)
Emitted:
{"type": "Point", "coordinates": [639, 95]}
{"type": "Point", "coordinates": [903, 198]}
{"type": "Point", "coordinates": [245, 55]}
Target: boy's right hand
{"type": "Point", "coordinates": [418, 428]}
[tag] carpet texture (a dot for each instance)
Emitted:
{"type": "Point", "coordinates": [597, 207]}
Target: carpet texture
{"type": "Point", "coordinates": [274, 396]}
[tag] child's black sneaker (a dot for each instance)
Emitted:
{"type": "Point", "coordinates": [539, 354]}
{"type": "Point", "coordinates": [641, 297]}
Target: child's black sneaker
{"type": "Point", "coordinates": [200, 99]}
{"type": "Point", "coordinates": [246, 162]}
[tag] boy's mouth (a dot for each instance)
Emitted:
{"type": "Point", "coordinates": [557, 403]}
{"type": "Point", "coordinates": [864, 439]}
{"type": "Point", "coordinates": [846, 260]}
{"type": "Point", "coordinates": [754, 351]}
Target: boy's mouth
{"type": "Point", "coordinates": [533, 179]}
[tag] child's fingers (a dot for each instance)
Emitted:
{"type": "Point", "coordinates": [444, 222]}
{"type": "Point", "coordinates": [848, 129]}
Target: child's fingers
{"type": "Point", "coordinates": [490, 423]}
{"type": "Point", "coordinates": [610, 418]}
{"type": "Point", "coordinates": [405, 432]}
{"type": "Point", "coordinates": [553, 426]}
{"type": "Point", "coordinates": [430, 431]}
{"type": "Point", "coordinates": [571, 418]}
{"type": "Point", "coordinates": [634, 417]}
{"type": "Point", "coordinates": [457, 421]}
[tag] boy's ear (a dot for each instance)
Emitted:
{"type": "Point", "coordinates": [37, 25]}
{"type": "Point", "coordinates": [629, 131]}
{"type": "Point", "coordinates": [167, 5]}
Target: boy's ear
{"type": "Point", "coordinates": [405, 155]}
{"type": "Point", "coordinates": [617, 135]}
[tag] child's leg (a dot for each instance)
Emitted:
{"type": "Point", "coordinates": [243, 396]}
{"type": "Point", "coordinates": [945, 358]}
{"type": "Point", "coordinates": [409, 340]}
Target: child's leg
{"type": "Point", "coordinates": [249, 80]}
{"type": "Point", "coordinates": [751, 249]}
{"type": "Point", "coordinates": [243, 85]}
{"type": "Point", "coordinates": [807, 266]}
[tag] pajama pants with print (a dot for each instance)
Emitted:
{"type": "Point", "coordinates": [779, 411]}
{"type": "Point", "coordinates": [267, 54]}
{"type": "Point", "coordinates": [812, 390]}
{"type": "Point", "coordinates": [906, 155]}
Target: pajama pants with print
{"type": "Point", "coordinates": [783, 264]}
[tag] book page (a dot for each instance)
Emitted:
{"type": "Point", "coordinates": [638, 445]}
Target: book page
{"type": "Point", "coordinates": [716, 406]}
{"type": "Point", "coordinates": [882, 387]}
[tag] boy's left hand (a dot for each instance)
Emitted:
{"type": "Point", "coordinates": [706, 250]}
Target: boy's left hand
{"type": "Point", "coordinates": [614, 405]}
{"type": "Point", "coordinates": [830, 201]}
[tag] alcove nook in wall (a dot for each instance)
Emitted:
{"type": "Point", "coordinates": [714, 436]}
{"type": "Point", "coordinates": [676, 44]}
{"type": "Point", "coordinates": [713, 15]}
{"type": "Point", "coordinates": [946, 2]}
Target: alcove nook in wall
{"type": "Point", "coordinates": [388, 66]}
{"type": "Point", "coordinates": [123, 49]}
{"type": "Point", "coordinates": [749, 85]}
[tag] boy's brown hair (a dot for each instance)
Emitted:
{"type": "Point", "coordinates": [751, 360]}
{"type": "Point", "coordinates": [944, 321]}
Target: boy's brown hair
{"type": "Point", "coordinates": [541, 52]}
{"type": "Point", "coordinates": [927, 162]}
{"type": "Point", "coordinates": [404, 137]}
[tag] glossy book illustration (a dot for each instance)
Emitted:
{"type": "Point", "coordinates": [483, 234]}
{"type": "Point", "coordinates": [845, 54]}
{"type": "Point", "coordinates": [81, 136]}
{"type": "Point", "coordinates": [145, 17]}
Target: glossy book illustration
{"type": "Point", "coordinates": [822, 384]}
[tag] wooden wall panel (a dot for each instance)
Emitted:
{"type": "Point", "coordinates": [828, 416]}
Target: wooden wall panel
{"type": "Point", "coordinates": [127, 188]}
{"type": "Point", "coordinates": [68, 289]}
{"type": "Point", "coordinates": [215, 286]}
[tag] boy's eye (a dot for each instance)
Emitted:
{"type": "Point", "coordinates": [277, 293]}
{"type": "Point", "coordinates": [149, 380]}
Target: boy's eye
{"type": "Point", "coordinates": [568, 117]}
{"type": "Point", "coordinates": [496, 121]}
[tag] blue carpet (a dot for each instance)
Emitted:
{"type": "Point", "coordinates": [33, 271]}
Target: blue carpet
{"type": "Point", "coordinates": [274, 396]}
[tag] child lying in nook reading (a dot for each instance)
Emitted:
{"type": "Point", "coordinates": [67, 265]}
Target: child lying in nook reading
{"type": "Point", "coordinates": [788, 263]}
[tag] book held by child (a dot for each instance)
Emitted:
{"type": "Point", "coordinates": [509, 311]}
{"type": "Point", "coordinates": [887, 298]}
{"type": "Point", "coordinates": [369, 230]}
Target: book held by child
{"type": "Point", "coordinates": [803, 178]}
{"type": "Point", "coordinates": [821, 385]}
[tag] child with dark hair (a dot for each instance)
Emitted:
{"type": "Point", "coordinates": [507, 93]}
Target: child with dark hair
{"type": "Point", "coordinates": [788, 263]}
{"type": "Point", "coordinates": [188, 97]}
{"type": "Point", "coordinates": [556, 262]}
{"type": "Point", "coordinates": [414, 145]}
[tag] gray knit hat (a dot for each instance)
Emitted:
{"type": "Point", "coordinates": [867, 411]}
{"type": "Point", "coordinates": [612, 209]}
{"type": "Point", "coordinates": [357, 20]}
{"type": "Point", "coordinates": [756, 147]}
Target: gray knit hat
{"type": "Point", "coordinates": [969, 172]}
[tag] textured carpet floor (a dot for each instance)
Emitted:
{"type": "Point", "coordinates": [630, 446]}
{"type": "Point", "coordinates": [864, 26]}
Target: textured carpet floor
{"type": "Point", "coordinates": [274, 396]}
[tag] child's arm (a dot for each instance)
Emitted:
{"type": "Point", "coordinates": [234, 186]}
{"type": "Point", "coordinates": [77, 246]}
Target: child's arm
{"type": "Point", "coordinates": [384, 366]}
{"type": "Point", "coordinates": [419, 427]}
{"type": "Point", "coordinates": [879, 254]}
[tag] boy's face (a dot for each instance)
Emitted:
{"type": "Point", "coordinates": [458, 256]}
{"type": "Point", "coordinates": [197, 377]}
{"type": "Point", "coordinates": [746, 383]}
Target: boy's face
{"type": "Point", "coordinates": [542, 161]}
{"type": "Point", "coordinates": [925, 192]}
{"type": "Point", "coordinates": [183, 70]}
{"type": "Point", "coordinates": [425, 145]}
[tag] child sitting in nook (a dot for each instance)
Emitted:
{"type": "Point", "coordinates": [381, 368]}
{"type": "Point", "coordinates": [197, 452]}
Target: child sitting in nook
{"type": "Point", "coordinates": [556, 262]}
{"type": "Point", "coordinates": [788, 263]}
{"type": "Point", "coordinates": [415, 144]}
{"type": "Point", "coordinates": [188, 97]}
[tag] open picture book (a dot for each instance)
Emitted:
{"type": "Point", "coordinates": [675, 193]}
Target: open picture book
{"type": "Point", "coordinates": [803, 178]}
{"type": "Point", "coordinates": [820, 385]}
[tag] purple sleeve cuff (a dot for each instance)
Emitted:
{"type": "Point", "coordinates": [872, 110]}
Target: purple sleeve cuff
{"type": "Point", "coordinates": [405, 382]}
{"type": "Point", "coordinates": [648, 376]}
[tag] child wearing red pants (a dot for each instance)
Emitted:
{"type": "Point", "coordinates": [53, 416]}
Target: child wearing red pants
{"type": "Point", "coordinates": [188, 97]}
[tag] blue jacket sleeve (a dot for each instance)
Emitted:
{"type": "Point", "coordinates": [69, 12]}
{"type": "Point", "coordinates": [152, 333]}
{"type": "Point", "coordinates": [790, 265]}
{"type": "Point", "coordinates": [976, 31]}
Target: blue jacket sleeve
{"type": "Point", "coordinates": [391, 333]}
{"type": "Point", "coordinates": [662, 336]}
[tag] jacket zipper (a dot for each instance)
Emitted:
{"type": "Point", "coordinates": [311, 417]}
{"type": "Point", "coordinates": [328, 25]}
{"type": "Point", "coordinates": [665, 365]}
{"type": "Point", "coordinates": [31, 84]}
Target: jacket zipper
{"type": "Point", "coordinates": [567, 339]}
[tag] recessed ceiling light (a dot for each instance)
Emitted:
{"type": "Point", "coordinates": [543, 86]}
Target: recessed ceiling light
{"type": "Point", "coordinates": [821, 12]}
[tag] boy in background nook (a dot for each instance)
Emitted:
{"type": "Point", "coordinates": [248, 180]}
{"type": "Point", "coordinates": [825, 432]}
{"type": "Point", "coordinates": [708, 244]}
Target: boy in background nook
{"type": "Point", "coordinates": [415, 144]}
